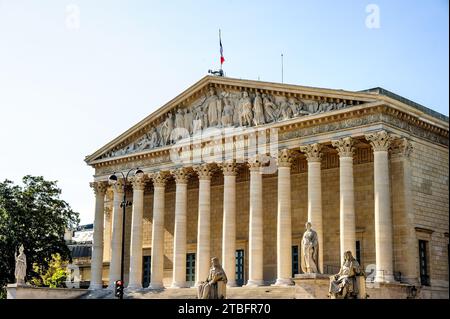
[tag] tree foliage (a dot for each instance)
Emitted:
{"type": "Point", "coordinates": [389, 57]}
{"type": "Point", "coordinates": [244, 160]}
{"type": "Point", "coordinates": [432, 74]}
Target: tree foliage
{"type": "Point", "coordinates": [53, 276]}
{"type": "Point", "coordinates": [35, 216]}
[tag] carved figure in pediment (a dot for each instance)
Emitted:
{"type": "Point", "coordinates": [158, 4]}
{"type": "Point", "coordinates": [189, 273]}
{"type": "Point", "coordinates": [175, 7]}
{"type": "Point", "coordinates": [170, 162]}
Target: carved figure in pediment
{"type": "Point", "coordinates": [286, 112]}
{"type": "Point", "coordinates": [198, 120]}
{"type": "Point", "coordinates": [179, 119]}
{"type": "Point", "coordinates": [258, 110]}
{"type": "Point", "coordinates": [227, 114]}
{"type": "Point", "coordinates": [245, 110]}
{"type": "Point", "coordinates": [213, 107]}
{"type": "Point", "coordinates": [312, 106]}
{"type": "Point", "coordinates": [293, 106]}
{"type": "Point", "coordinates": [154, 138]}
{"type": "Point", "coordinates": [269, 108]}
{"type": "Point", "coordinates": [325, 107]}
{"type": "Point", "coordinates": [166, 129]}
{"type": "Point", "coordinates": [188, 121]}
{"type": "Point", "coordinates": [302, 109]}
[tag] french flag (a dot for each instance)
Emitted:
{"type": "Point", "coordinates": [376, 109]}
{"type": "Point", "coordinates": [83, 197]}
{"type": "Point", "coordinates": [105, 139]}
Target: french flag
{"type": "Point", "coordinates": [222, 59]}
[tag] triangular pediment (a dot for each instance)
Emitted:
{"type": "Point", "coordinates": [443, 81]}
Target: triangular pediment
{"type": "Point", "coordinates": [226, 102]}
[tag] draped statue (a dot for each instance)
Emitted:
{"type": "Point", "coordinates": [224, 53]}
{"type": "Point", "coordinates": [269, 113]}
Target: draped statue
{"type": "Point", "coordinates": [213, 107]}
{"type": "Point", "coordinates": [245, 110]}
{"type": "Point", "coordinates": [21, 266]}
{"type": "Point", "coordinates": [269, 108]}
{"type": "Point", "coordinates": [343, 284]}
{"type": "Point", "coordinates": [258, 110]}
{"type": "Point", "coordinates": [310, 251]}
{"type": "Point", "coordinates": [216, 284]}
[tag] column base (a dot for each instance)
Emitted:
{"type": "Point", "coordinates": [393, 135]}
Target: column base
{"type": "Point", "coordinates": [134, 287]}
{"type": "Point", "coordinates": [284, 282]}
{"type": "Point", "coordinates": [385, 279]}
{"type": "Point", "coordinates": [179, 285]}
{"type": "Point", "coordinates": [156, 285]}
{"type": "Point", "coordinates": [95, 286]}
{"type": "Point", "coordinates": [254, 283]}
{"type": "Point", "coordinates": [232, 283]}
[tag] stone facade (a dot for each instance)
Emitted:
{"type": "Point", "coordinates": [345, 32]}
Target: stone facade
{"type": "Point", "coordinates": [370, 175]}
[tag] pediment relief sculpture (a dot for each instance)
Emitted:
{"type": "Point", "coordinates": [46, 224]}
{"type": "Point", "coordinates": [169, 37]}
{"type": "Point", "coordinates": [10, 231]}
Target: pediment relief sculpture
{"type": "Point", "coordinates": [223, 109]}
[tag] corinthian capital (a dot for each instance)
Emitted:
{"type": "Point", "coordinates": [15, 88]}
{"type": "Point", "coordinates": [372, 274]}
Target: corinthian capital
{"type": "Point", "coordinates": [99, 188]}
{"type": "Point", "coordinates": [312, 151]}
{"type": "Point", "coordinates": [344, 146]}
{"type": "Point", "coordinates": [181, 175]}
{"type": "Point", "coordinates": [254, 163]}
{"type": "Point", "coordinates": [159, 178]}
{"type": "Point", "coordinates": [229, 168]}
{"type": "Point", "coordinates": [284, 158]}
{"type": "Point", "coordinates": [138, 182]}
{"type": "Point", "coordinates": [380, 141]}
{"type": "Point", "coordinates": [203, 171]}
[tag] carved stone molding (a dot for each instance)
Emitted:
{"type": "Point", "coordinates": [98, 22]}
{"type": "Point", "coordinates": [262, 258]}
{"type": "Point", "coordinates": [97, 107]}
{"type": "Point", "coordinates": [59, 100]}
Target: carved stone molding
{"type": "Point", "coordinates": [254, 163]}
{"type": "Point", "coordinates": [181, 175]}
{"type": "Point", "coordinates": [285, 158]}
{"type": "Point", "coordinates": [229, 168]}
{"type": "Point", "coordinates": [159, 178]}
{"type": "Point", "coordinates": [380, 141]}
{"type": "Point", "coordinates": [99, 188]}
{"type": "Point", "coordinates": [345, 146]}
{"type": "Point", "coordinates": [138, 182]}
{"type": "Point", "coordinates": [402, 147]}
{"type": "Point", "coordinates": [312, 151]}
{"type": "Point", "coordinates": [204, 171]}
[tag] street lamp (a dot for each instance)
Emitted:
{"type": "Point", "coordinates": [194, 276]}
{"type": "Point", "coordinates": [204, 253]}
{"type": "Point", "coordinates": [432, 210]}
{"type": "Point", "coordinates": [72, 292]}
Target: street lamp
{"type": "Point", "coordinates": [113, 180]}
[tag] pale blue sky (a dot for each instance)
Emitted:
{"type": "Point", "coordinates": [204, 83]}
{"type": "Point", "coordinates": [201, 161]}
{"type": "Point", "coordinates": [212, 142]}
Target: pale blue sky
{"type": "Point", "coordinates": [65, 92]}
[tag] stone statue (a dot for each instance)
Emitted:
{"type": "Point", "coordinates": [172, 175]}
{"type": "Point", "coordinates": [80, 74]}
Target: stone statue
{"type": "Point", "coordinates": [245, 110]}
{"type": "Point", "coordinates": [198, 121]}
{"type": "Point", "coordinates": [228, 113]}
{"type": "Point", "coordinates": [154, 138]}
{"type": "Point", "coordinates": [21, 266]}
{"type": "Point", "coordinates": [188, 121]}
{"type": "Point", "coordinates": [166, 129]}
{"type": "Point", "coordinates": [269, 109]}
{"type": "Point", "coordinates": [216, 284]}
{"type": "Point", "coordinates": [213, 107]}
{"type": "Point", "coordinates": [310, 251]}
{"type": "Point", "coordinates": [286, 111]}
{"type": "Point", "coordinates": [258, 110]}
{"type": "Point", "coordinates": [343, 284]}
{"type": "Point", "coordinates": [293, 106]}
{"type": "Point", "coordinates": [179, 119]}
{"type": "Point", "coordinates": [302, 109]}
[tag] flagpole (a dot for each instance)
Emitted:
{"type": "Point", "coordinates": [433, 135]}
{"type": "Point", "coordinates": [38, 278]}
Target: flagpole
{"type": "Point", "coordinates": [220, 41]}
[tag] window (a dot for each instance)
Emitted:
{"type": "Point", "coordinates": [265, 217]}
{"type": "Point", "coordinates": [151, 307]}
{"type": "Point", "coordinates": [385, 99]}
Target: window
{"type": "Point", "coordinates": [358, 251]}
{"type": "Point", "coordinates": [294, 260]}
{"type": "Point", "coordinates": [146, 261]}
{"type": "Point", "coordinates": [240, 267]}
{"type": "Point", "coordinates": [190, 269]}
{"type": "Point", "coordinates": [423, 263]}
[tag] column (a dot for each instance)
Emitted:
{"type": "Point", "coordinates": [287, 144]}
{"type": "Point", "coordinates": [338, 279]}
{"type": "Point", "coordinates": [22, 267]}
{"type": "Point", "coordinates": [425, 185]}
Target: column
{"type": "Point", "coordinates": [116, 236]}
{"type": "Point", "coordinates": [380, 142]}
{"type": "Point", "coordinates": [255, 237]}
{"type": "Point", "coordinates": [135, 278]}
{"type": "Point", "coordinates": [157, 259]}
{"type": "Point", "coordinates": [203, 261]}
{"type": "Point", "coordinates": [179, 241]}
{"type": "Point", "coordinates": [97, 245]}
{"type": "Point", "coordinates": [229, 170]}
{"type": "Point", "coordinates": [345, 147]}
{"type": "Point", "coordinates": [284, 228]}
{"type": "Point", "coordinates": [313, 156]}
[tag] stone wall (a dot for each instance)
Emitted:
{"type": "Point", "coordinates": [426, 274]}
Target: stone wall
{"type": "Point", "coordinates": [429, 189]}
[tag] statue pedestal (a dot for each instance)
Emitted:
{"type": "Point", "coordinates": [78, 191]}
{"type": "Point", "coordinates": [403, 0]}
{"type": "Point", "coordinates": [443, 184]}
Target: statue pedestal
{"type": "Point", "coordinates": [311, 286]}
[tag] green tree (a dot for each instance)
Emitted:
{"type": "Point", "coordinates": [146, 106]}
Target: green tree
{"type": "Point", "coordinates": [35, 216]}
{"type": "Point", "coordinates": [54, 276]}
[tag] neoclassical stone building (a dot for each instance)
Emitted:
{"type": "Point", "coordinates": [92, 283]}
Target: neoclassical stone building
{"type": "Point", "coordinates": [234, 168]}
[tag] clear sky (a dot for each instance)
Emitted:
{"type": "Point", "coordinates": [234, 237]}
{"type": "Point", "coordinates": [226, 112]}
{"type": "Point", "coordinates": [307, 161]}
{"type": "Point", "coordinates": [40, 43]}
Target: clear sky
{"type": "Point", "coordinates": [76, 74]}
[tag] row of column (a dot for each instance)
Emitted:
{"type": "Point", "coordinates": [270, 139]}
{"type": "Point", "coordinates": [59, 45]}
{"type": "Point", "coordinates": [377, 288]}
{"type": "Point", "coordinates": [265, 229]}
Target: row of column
{"type": "Point", "coordinates": [380, 142]}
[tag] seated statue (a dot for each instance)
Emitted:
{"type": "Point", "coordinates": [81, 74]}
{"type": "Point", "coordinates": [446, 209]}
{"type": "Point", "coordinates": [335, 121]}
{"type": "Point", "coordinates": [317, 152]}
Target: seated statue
{"type": "Point", "coordinates": [215, 286]}
{"type": "Point", "coordinates": [344, 285]}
